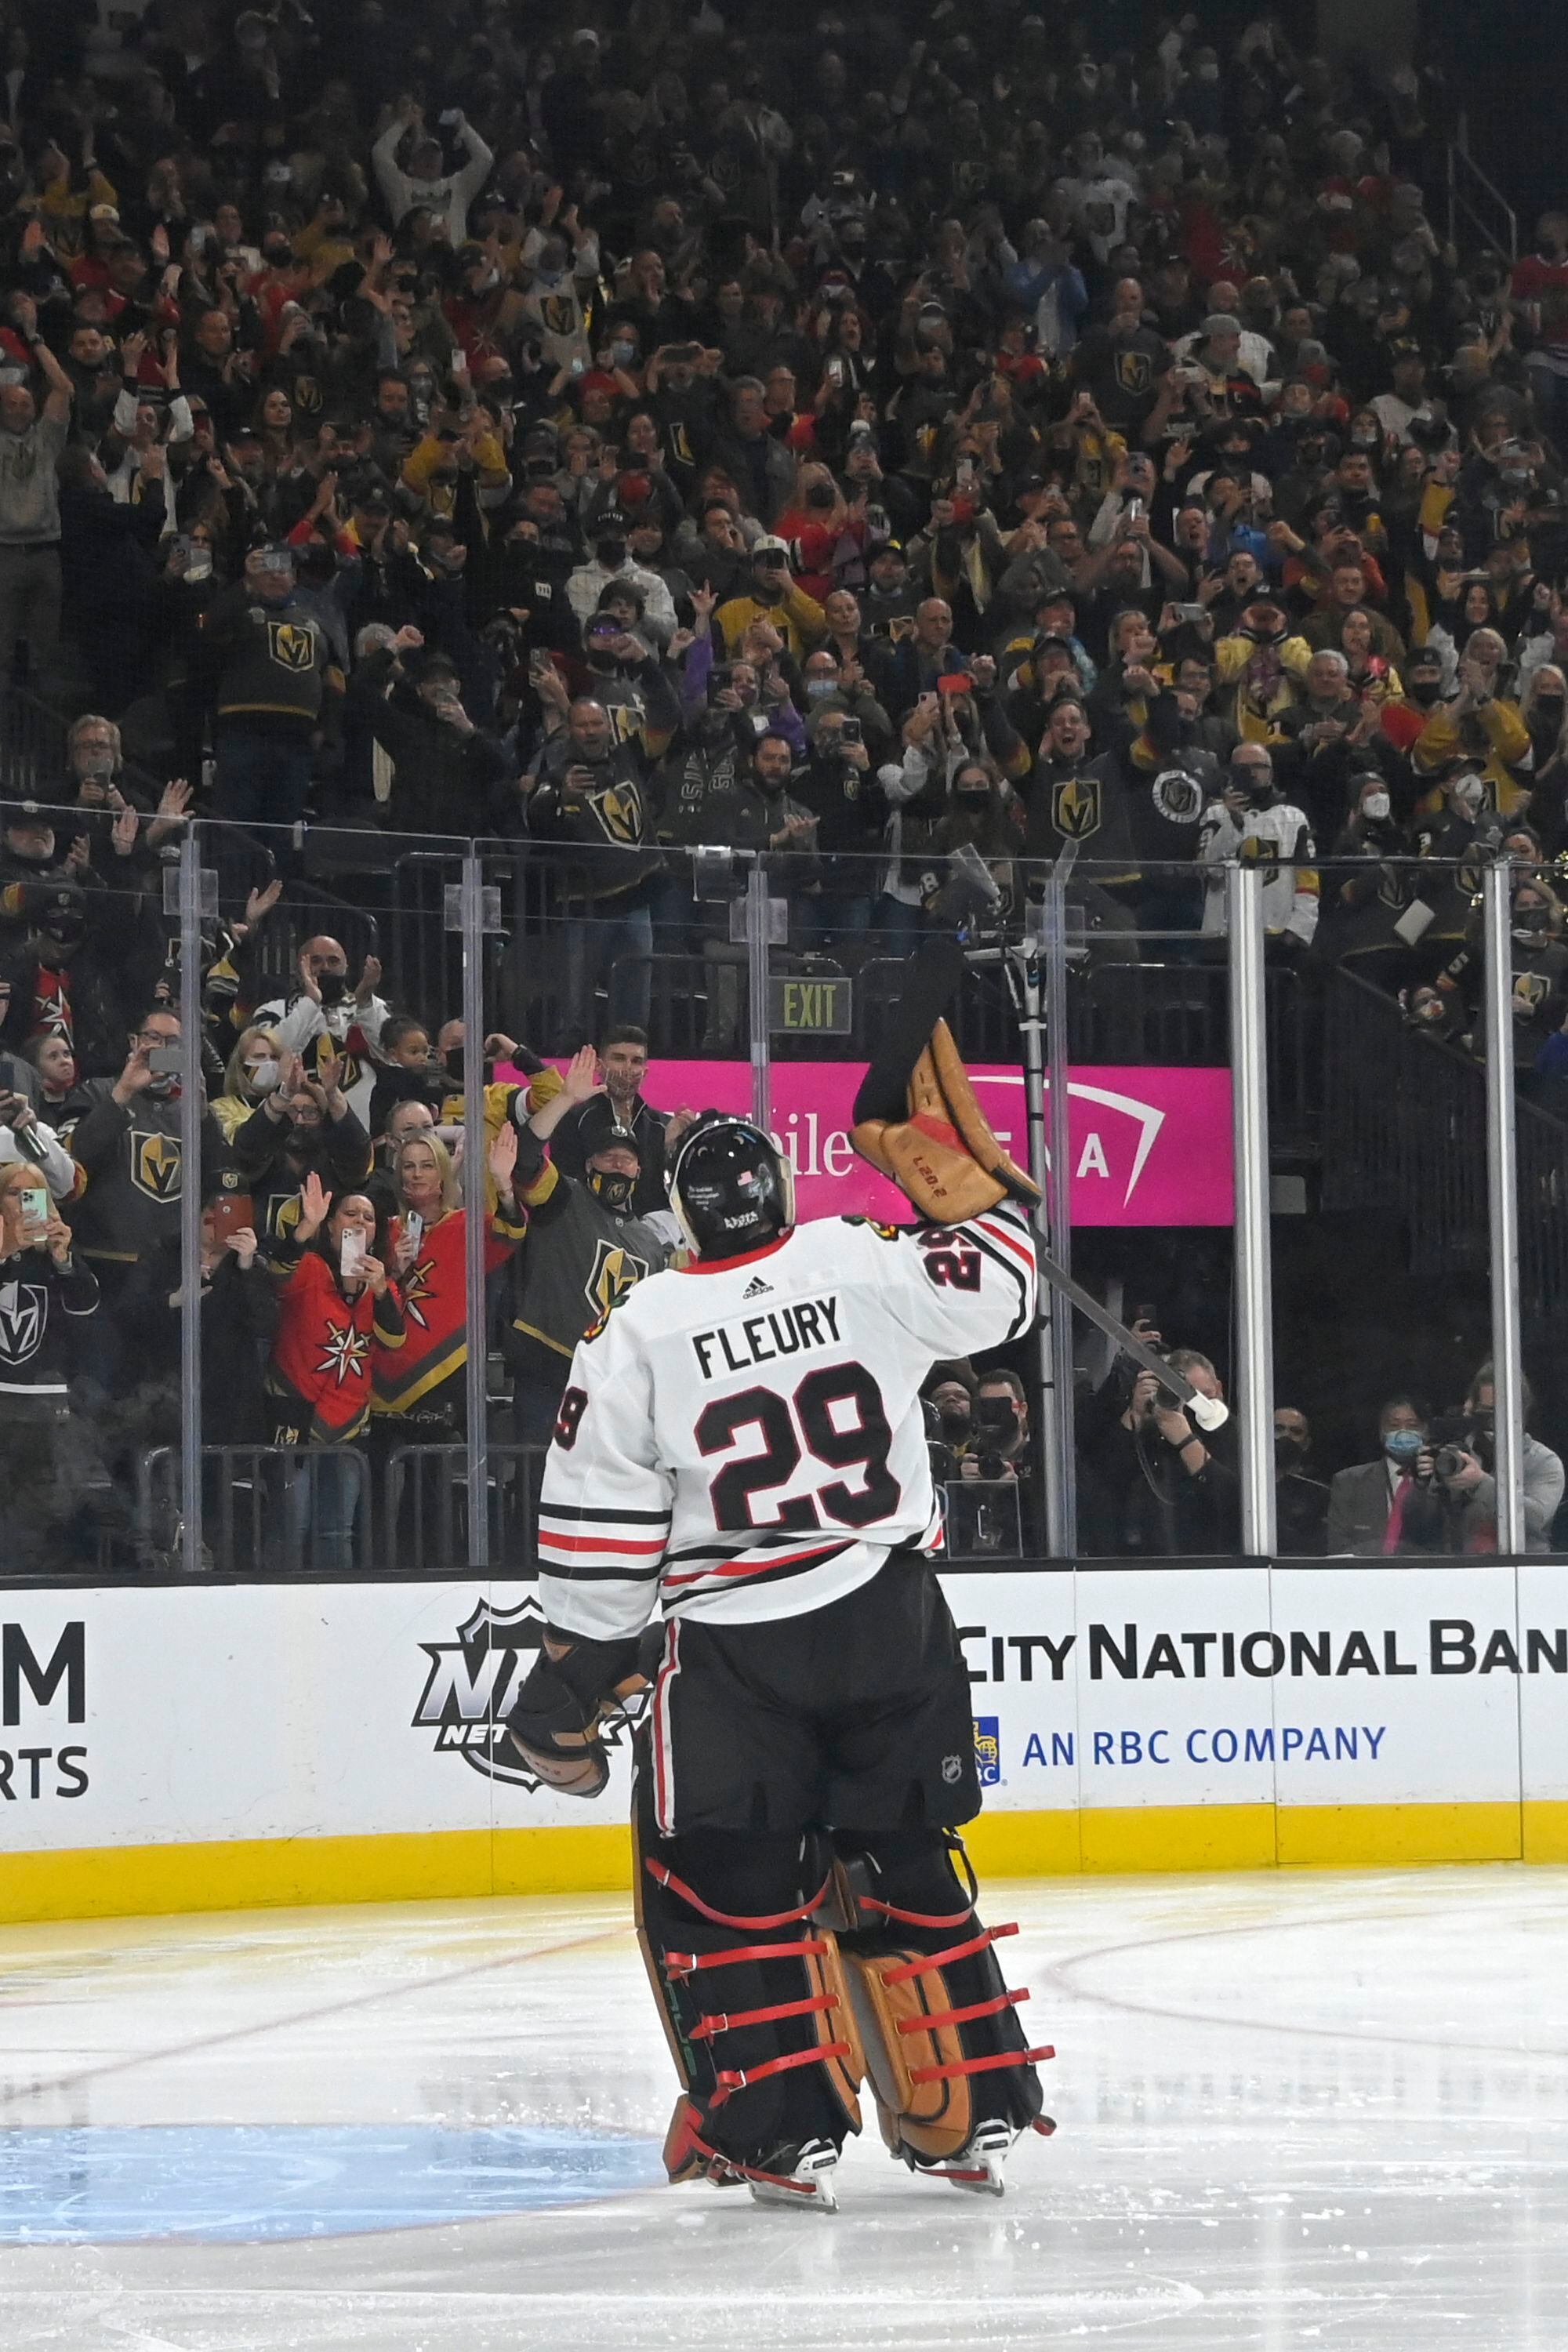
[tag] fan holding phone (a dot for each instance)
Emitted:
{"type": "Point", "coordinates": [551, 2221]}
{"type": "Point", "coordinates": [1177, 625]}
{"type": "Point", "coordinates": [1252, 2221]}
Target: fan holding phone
{"type": "Point", "coordinates": [41, 1289]}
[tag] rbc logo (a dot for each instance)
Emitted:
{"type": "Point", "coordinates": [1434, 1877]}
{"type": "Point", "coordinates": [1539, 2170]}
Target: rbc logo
{"type": "Point", "coordinates": [988, 1749]}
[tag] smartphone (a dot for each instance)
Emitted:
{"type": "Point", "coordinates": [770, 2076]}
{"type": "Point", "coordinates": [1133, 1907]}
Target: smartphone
{"type": "Point", "coordinates": [1189, 612]}
{"type": "Point", "coordinates": [353, 1253]}
{"type": "Point", "coordinates": [835, 372]}
{"type": "Point", "coordinates": [231, 1214]}
{"type": "Point", "coordinates": [1134, 511]}
{"type": "Point", "coordinates": [35, 1199]}
{"type": "Point", "coordinates": [166, 1060]}
{"type": "Point", "coordinates": [413, 1227]}
{"type": "Point", "coordinates": [850, 731]}
{"type": "Point", "coordinates": [963, 475]}
{"type": "Point", "coordinates": [448, 118]}
{"type": "Point", "coordinates": [954, 681]}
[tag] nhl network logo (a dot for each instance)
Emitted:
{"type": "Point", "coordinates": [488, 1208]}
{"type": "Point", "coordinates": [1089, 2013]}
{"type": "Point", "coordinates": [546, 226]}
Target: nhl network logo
{"type": "Point", "coordinates": [472, 1684]}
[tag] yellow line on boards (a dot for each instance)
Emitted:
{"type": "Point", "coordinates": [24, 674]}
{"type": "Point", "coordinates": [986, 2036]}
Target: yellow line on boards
{"type": "Point", "coordinates": [263, 1872]}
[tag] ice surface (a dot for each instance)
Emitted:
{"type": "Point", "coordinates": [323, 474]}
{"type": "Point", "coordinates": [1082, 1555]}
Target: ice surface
{"type": "Point", "coordinates": [1295, 2110]}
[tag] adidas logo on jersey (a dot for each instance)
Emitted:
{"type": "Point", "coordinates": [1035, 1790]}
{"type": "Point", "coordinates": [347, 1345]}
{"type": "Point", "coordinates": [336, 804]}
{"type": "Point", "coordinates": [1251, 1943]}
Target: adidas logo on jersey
{"type": "Point", "coordinates": [757, 1288]}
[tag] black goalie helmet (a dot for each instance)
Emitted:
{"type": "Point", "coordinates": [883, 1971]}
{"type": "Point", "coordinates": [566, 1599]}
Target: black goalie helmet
{"type": "Point", "coordinates": [730, 1186]}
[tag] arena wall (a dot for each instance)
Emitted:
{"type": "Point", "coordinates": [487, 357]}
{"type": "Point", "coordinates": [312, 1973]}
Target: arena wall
{"type": "Point", "coordinates": [176, 1747]}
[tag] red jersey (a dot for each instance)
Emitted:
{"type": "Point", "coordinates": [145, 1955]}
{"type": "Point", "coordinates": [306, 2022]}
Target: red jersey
{"type": "Point", "coordinates": [320, 1375]}
{"type": "Point", "coordinates": [1537, 279]}
{"type": "Point", "coordinates": [434, 1299]}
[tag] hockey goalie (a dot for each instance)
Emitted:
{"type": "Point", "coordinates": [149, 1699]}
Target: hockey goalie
{"type": "Point", "coordinates": [741, 1456]}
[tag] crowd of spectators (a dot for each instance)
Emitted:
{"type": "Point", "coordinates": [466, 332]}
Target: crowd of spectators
{"type": "Point", "coordinates": [893, 444]}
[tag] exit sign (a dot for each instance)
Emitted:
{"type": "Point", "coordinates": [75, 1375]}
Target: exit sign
{"type": "Point", "coordinates": [811, 1008]}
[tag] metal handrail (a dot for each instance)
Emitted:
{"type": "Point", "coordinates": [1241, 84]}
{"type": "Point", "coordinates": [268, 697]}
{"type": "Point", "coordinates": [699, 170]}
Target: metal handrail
{"type": "Point", "coordinates": [1467, 181]}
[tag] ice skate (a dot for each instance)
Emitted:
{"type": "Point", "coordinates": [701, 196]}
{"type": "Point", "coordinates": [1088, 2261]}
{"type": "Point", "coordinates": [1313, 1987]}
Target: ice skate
{"type": "Point", "coordinates": [977, 2166]}
{"type": "Point", "coordinates": [805, 2181]}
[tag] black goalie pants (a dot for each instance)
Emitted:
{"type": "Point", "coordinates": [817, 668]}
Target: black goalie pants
{"type": "Point", "coordinates": [800, 1771]}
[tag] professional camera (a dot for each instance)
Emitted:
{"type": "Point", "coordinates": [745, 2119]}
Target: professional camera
{"type": "Point", "coordinates": [1457, 1435]}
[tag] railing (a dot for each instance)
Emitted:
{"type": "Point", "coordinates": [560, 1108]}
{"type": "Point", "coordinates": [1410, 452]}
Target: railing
{"type": "Point", "coordinates": [276, 1511]}
{"type": "Point", "coordinates": [1477, 201]}
{"type": "Point", "coordinates": [1404, 1130]}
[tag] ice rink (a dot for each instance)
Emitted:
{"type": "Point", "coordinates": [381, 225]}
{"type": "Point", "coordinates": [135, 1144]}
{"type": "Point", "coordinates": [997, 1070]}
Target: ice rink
{"type": "Point", "coordinates": [1315, 2109]}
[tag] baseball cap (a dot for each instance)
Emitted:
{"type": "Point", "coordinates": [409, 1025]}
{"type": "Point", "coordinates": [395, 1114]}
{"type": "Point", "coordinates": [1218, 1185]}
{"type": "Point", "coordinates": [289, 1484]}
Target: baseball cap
{"type": "Point", "coordinates": [769, 544]}
{"type": "Point", "coordinates": [1221, 322]}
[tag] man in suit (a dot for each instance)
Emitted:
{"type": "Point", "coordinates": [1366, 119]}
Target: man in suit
{"type": "Point", "coordinates": [1367, 1504]}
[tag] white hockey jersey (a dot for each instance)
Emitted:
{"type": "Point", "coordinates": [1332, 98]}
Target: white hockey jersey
{"type": "Point", "coordinates": [744, 1439]}
{"type": "Point", "coordinates": [1279, 841]}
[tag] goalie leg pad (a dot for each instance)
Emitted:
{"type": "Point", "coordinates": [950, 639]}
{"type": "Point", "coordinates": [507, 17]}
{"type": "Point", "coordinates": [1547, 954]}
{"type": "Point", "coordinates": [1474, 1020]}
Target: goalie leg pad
{"type": "Point", "coordinates": [752, 1998]}
{"type": "Point", "coordinates": [943, 2047]}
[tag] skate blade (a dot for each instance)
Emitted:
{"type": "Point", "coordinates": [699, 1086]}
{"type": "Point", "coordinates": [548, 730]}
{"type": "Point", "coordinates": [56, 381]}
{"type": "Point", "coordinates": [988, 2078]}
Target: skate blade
{"type": "Point", "coordinates": [810, 2185]}
{"type": "Point", "coordinates": [977, 2171]}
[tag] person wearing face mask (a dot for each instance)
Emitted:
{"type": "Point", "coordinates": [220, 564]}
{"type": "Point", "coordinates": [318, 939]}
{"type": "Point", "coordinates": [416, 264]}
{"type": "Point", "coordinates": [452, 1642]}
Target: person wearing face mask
{"type": "Point", "coordinates": [78, 978]}
{"type": "Point", "coordinates": [976, 819]}
{"type": "Point", "coordinates": [338, 1311]}
{"type": "Point", "coordinates": [254, 1069]}
{"type": "Point", "coordinates": [1300, 1503]}
{"type": "Point", "coordinates": [1422, 676]}
{"type": "Point", "coordinates": [1481, 726]}
{"type": "Point", "coordinates": [1367, 1504]}
{"type": "Point", "coordinates": [1540, 705]}
{"type": "Point", "coordinates": [561, 263]}
{"type": "Point", "coordinates": [833, 684]}
{"type": "Point", "coordinates": [327, 1016]}
{"type": "Point", "coordinates": [612, 565]}
{"type": "Point", "coordinates": [300, 1126]}
{"type": "Point", "coordinates": [1253, 822]}
{"type": "Point", "coordinates": [585, 1249]}
{"type": "Point", "coordinates": [1369, 885]}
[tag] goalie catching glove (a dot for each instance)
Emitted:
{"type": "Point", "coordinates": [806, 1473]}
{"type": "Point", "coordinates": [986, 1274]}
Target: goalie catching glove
{"type": "Point", "coordinates": [942, 1154]}
{"type": "Point", "coordinates": [573, 1690]}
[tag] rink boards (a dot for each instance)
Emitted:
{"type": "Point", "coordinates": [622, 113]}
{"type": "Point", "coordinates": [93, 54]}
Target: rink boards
{"type": "Point", "coordinates": [198, 1747]}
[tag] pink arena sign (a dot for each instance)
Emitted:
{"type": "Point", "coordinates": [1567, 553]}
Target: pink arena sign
{"type": "Point", "coordinates": [1150, 1147]}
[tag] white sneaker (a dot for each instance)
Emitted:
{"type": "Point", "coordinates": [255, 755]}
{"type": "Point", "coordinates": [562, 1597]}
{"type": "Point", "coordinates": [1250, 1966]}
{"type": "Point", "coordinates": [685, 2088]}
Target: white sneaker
{"type": "Point", "coordinates": [808, 2181]}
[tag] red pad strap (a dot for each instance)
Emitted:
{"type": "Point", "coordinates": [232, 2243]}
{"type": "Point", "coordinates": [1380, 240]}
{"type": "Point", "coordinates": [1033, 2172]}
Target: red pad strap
{"type": "Point", "coordinates": [730, 2083]}
{"type": "Point", "coordinates": [939, 1959]}
{"type": "Point", "coordinates": [731, 2167]}
{"type": "Point", "coordinates": [663, 1877]}
{"type": "Point", "coordinates": [961, 2016]}
{"type": "Point", "coordinates": [918, 1918]}
{"type": "Point", "coordinates": [980, 2065]}
{"type": "Point", "coordinates": [682, 1964]}
{"type": "Point", "coordinates": [725, 2023]}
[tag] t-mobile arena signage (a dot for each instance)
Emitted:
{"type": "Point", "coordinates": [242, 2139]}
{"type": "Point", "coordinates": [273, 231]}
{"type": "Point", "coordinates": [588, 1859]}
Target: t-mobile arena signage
{"type": "Point", "coordinates": [1150, 1147]}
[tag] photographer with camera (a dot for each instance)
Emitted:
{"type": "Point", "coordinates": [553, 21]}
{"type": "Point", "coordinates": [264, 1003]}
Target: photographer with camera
{"type": "Point", "coordinates": [1152, 1486]}
{"type": "Point", "coordinates": [1452, 1508]}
